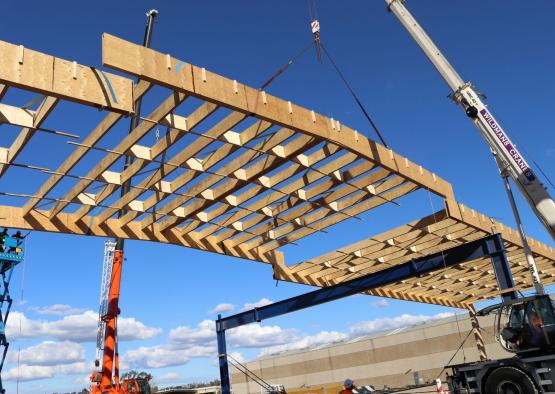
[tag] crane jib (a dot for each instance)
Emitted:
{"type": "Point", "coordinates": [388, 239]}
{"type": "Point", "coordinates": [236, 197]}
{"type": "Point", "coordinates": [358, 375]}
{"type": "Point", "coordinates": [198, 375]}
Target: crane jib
{"type": "Point", "coordinates": [507, 144]}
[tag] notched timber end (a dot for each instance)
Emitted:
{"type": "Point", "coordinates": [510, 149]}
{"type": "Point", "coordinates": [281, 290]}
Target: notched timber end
{"type": "Point", "coordinates": [65, 79]}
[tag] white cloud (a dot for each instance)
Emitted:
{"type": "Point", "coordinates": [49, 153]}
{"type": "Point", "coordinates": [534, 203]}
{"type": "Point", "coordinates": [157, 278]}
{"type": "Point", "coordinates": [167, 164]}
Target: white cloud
{"type": "Point", "coordinates": [220, 308]}
{"type": "Point", "coordinates": [184, 336]}
{"type": "Point", "coordinates": [251, 335]}
{"type": "Point", "coordinates": [307, 341]}
{"type": "Point", "coordinates": [256, 335]}
{"type": "Point", "coordinates": [237, 356]}
{"type": "Point", "coordinates": [186, 343]}
{"type": "Point", "coordinates": [380, 304]}
{"type": "Point", "coordinates": [392, 323]}
{"type": "Point", "coordinates": [36, 372]}
{"type": "Point", "coordinates": [168, 377]}
{"type": "Point", "coordinates": [130, 329]}
{"type": "Point", "coordinates": [78, 328]}
{"type": "Point", "coordinates": [49, 353]}
{"type": "Point", "coordinates": [257, 304]}
{"type": "Point", "coordinates": [57, 310]}
{"type": "Point", "coordinates": [165, 355]}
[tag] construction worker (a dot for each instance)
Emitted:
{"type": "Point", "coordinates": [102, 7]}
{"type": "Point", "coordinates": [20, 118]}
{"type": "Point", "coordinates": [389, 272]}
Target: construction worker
{"type": "Point", "coordinates": [349, 387]}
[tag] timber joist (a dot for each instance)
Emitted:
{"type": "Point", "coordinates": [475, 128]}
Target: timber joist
{"type": "Point", "coordinates": [462, 284]}
{"type": "Point", "coordinates": [223, 167]}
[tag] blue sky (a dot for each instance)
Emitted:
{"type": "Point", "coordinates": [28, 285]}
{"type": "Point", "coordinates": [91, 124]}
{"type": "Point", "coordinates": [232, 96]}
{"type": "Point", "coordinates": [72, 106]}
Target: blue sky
{"type": "Point", "coordinates": [168, 292]}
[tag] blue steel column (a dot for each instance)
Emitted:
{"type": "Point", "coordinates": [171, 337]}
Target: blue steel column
{"type": "Point", "coordinates": [491, 246]}
{"type": "Point", "coordinates": [222, 358]}
{"type": "Point", "coordinates": [496, 250]}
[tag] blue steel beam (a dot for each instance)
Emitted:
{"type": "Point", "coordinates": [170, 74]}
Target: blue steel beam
{"type": "Point", "coordinates": [488, 246]}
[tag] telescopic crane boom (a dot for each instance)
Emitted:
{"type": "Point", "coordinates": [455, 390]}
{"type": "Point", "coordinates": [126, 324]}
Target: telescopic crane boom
{"type": "Point", "coordinates": [511, 163]}
{"type": "Point", "coordinates": [466, 96]}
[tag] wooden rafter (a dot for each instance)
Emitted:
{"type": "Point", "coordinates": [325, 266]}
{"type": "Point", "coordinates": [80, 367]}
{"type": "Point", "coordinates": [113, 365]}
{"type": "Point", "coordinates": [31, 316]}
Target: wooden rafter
{"type": "Point", "coordinates": [465, 283]}
{"type": "Point", "coordinates": [27, 132]}
{"type": "Point", "coordinates": [238, 172]}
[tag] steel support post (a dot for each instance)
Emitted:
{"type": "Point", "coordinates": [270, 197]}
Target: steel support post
{"type": "Point", "coordinates": [491, 246]}
{"type": "Point", "coordinates": [222, 358]}
{"type": "Point", "coordinates": [502, 268]}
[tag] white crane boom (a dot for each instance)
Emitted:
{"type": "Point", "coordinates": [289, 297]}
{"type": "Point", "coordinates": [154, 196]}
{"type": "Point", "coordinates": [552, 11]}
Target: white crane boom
{"type": "Point", "coordinates": [466, 96]}
{"type": "Point", "coordinates": [511, 163]}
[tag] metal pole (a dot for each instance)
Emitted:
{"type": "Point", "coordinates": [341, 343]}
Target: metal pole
{"type": "Point", "coordinates": [527, 251]}
{"type": "Point", "coordinates": [110, 357]}
{"type": "Point", "coordinates": [222, 358]}
{"type": "Point", "coordinates": [135, 119]}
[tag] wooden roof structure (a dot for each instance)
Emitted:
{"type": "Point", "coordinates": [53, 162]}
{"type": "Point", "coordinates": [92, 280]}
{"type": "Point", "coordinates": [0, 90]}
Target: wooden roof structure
{"type": "Point", "coordinates": [238, 171]}
{"type": "Point", "coordinates": [459, 286]}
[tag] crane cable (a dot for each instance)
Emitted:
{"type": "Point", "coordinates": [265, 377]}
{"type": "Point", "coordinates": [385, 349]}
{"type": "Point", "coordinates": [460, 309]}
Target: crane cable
{"type": "Point", "coordinates": [319, 46]}
{"type": "Point", "coordinates": [285, 66]}
{"type": "Point", "coordinates": [355, 97]}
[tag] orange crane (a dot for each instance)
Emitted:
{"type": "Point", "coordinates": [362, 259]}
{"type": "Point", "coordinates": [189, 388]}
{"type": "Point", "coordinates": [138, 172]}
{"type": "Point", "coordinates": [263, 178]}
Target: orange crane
{"type": "Point", "coordinates": [107, 380]}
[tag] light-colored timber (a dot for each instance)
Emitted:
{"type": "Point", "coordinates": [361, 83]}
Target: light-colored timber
{"type": "Point", "coordinates": [226, 168]}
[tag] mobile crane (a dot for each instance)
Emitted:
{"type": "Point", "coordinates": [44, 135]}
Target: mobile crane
{"type": "Point", "coordinates": [107, 380]}
{"type": "Point", "coordinates": [523, 325]}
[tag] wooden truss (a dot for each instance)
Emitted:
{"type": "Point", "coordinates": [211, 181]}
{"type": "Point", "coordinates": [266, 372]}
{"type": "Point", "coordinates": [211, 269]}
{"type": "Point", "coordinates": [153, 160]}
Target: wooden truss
{"type": "Point", "coordinates": [461, 285]}
{"type": "Point", "coordinates": [237, 171]}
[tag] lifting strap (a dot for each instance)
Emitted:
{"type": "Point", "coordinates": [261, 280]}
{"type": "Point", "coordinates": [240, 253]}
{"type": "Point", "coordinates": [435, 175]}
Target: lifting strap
{"type": "Point", "coordinates": [285, 66]}
{"type": "Point", "coordinates": [355, 97]}
{"type": "Point", "coordinates": [315, 27]}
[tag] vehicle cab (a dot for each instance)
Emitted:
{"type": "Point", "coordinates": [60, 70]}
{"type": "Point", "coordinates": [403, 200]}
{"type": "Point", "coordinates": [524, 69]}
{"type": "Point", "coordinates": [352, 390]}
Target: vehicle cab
{"type": "Point", "coordinates": [527, 324]}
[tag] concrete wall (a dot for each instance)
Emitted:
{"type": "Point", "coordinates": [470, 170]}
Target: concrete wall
{"type": "Point", "coordinates": [383, 360]}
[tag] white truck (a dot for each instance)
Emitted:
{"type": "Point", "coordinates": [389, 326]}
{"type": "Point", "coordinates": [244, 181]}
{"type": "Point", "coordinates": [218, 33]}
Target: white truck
{"type": "Point", "coordinates": [525, 325]}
